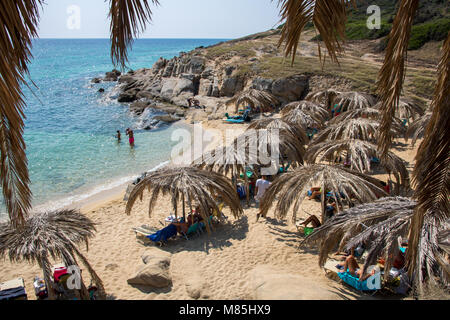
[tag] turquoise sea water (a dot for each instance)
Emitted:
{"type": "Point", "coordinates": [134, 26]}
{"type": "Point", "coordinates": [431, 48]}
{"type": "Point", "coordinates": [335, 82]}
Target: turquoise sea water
{"type": "Point", "coordinates": [70, 127]}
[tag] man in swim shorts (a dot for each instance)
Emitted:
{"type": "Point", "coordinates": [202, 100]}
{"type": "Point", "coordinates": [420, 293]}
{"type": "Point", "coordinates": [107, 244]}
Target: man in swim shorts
{"type": "Point", "coordinates": [130, 135]}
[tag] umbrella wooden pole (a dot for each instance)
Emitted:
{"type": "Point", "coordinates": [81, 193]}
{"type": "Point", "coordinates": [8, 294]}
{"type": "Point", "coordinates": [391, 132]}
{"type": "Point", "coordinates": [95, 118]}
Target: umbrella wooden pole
{"type": "Point", "coordinates": [247, 188]}
{"type": "Point", "coordinates": [184, 211]}
{"type": "Point", "coordinates": [323, 203]}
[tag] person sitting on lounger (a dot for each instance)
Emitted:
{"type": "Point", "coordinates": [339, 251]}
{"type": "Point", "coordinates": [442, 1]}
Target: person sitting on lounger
{"type": "Point", "coordinates": [330, 209]}
{"type": "Point", "coordinates": [351, 266]}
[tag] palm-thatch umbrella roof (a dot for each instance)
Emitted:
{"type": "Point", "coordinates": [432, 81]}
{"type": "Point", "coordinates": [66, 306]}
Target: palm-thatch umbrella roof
{"type": "Point", "coordinates": [316, 110]}
{"type": "Point", "coordinates": [417, 129]}
{"type": "Point", "coordinates": [290, 139]}
{"type": "Point", "coordinates": [302, 118]}
{"type": "Point", "coordinates": [187, 184]}
{"type": "Point", "coordinates": [325, 97]}
{"type": "Point", "coordinates": [405, 109]}
{"type": "Point", "coordinates": [254, 98]}
{"type": "Point", "coordinates": [290, 189]}
{"type": "Point", "coordinates": [50, 235]}
{"type": "Point", "coordinates": [280, 124]}
{"type": "Point", "coordinates": [354, 100]}
{"type": "Point", "coordinates": [369, 113]}
{"type": "Point", "coordinates": [359, 153]}
{"type": "Point", "coordinates": [378, 226]}
{"type": "Point", "coordinates": [361, 128]}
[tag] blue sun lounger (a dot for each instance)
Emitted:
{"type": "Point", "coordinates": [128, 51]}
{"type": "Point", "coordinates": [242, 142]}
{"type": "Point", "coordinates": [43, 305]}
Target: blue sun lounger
{"type": "Point", "coordinates": [234, 120]}
{"type": "Point", "coordinates": [164, 234]}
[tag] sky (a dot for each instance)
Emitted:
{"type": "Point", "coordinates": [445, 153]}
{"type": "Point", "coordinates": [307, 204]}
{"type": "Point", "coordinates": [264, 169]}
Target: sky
{"type": "Point", "coordinates": [214, 19]}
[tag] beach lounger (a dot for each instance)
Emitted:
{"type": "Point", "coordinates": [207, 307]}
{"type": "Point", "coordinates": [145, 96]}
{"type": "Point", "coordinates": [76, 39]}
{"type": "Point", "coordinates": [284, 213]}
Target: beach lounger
{"type": "Point", "coordinates": [13, 290]}
{"type": "Point", "coordinates": [233, 121]}
{"type": "Point", "coordinates": [143, 232]}
{"type": "Point", "coordinates": [163, 235]}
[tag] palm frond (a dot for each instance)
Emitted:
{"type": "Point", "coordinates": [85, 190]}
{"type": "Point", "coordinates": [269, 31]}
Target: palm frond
{"type": "Point", "coordinates": [273, 123]}
{"type": "Point", "coordinates": [254, 98]}
{"type": "Point", "coordinates": [188, 183]}
{"type": "Point", "coordinates": [329, 18]}
{"type": "Point", "coordinates": [303, 119]}
{"type": "Point", "coordinates": [432, 177]}
{"type": "Point", "coordinates": [128, 19]}
{"type": "Point", "coordinates": [18, 20]}
{"type": "Point", "coordinates": [368, 113]}
{"type": "Point", "coordinates": [392, 73]}
{"type": "Point", "coordinates": [290, 189]}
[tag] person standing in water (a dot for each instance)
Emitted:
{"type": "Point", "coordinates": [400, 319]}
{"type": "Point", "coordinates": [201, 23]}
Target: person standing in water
{"type": "Point", "coordinates": [130, 135]}
{"type": "Point", "coordinates": [118, 136]}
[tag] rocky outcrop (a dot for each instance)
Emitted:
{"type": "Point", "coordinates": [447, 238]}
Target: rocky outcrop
{"type": "Point", "coordinates": [287, 89]}
{"type": "Point", "coordinates": [112, 76]}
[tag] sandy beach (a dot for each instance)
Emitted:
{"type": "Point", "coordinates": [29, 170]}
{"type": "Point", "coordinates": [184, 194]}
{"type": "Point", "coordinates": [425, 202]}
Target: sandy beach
{"type": "Point", "coordinates": [222, 263]}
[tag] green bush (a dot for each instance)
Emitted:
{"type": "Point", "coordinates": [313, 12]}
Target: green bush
{"type": "Point", "coordinates": [422, 33]}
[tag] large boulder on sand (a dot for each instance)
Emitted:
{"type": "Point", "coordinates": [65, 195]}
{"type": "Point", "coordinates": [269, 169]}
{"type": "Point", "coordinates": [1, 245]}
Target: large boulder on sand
{"type": "Point", "coordinates": [155, 271]}
{"type": "Point", "coordinates": [269, 283]}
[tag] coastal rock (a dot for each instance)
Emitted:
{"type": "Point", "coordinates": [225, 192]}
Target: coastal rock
{"type": "Point", "coordinates": [128, 96]}
{"type": "Point", "coordinates": [138, 107]}
{"type": "Point", "coordinates": [155, 272]}
{"type": "Point", "coordinates": [112, 76]}
{"type": "Point", "coordinates": [126, 79]}
{"type": "Point", "coordinates": [262, 84]}
{"type": "Point", "coordinates": [231, 86]}
{"type": "Point", "coordinates": [268, 283]}
{"type": "Point", "coordinates": [167, 118]}
{"type": "Point", "coordinates": [168, 87]}
{"type": "Point", "coordinates": [101, 90]}
{"type": "Point", "coordinates": [96, 80]}
{"type": "Point", "coordinates": [291, 88]}
{"type": "Point", "coordinates": [183, 85]}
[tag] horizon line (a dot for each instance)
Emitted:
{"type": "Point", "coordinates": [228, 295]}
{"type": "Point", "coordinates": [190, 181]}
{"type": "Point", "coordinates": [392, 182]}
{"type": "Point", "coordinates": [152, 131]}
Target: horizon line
{"type": "Point", "coordinates": [156, 38]}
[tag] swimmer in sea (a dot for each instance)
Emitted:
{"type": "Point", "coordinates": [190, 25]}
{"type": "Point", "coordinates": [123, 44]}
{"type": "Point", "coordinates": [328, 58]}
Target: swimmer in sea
{"type": "Point", "coordinates": [130, 135]}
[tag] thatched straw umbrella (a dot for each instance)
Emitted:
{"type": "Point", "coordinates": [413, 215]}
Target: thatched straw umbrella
{"type": "Point", "coordinates": [55, 235]}
{"type": "Point", "coordinates": [368, 113]}
{"type": "Point", "coordinates": [366, 223]}
{"type": "Point", "coordinates": [359, 153]}
{"type": "Point", "coordinates": [354, 100]}
{"type": "Point", "coordinates": [362, 129]}
{"type": "Point", "coordinates": [187, 184]}
{"type": "Point", "coordinates": [302, 119]}
{"type": "Point", "coordinates": [405, 110]}
{"type": "Point", "coordinates": [417, 129]}
{"type": "Point", "coordinates": [379, 225]}
{"type": "Point", "coordinates": [324, 97]}
{"type": "Point", "coordinates": [254, 98]}
{"type": "Point", "coordinates": [289, 190]}
{"type": "Point", "coordinates": [316, 110]}
{"type": "Point", "coordinates": [290, 141]}
{"type": "Point", "coordinates": [281, 125]}
{"type": "Point", "coordinates": [234, 159]}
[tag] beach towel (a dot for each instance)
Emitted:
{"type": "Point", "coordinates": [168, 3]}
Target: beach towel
{"type": "Point", "coordinates": [354, 281]}
{"type": "Point", "coordinates": [164, 234]}
{"type": "Point", "coordinates": [13, 294]}
{"type": "Point", "coordinates": [234, 121]}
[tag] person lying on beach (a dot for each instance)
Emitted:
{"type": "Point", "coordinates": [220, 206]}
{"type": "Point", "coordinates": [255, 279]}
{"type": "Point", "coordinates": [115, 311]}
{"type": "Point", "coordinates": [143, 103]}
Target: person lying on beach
{"type": "Point", "coordinates": [315, 222]}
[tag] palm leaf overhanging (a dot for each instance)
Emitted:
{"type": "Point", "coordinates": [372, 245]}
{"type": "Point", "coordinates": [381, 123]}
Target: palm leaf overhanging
{"type": "Point", "coordinates": [254, 99]}
{"type": "Point", "coordinates": [316, 110]}
{"type": "Point", "coordinates": [360, 154]}
{"type": "Point", "coordinates": [328, 16]}
{"type": "Point", "coordinates": [392, 73]}
{"type": "Point", "coordinates": [128, 19]}
{"type": "Point", "coordinates": [187, 184]}
{"type": "Point", "coordinates": [18, 21]}
{"type": "Point", "coordinates": [290, 189]}
{"type": "Point", "coordinates": [432, 177]}
{"type": "Point", "coordinates": [53, 235]}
